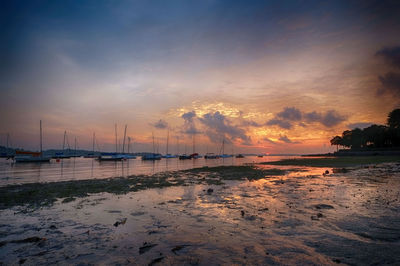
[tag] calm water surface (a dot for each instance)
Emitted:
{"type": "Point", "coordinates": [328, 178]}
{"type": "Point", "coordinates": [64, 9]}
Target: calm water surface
{"type": "Point", "coordinates": [87, 168]}
{"type": "Point", "coordinates": [302, 218]}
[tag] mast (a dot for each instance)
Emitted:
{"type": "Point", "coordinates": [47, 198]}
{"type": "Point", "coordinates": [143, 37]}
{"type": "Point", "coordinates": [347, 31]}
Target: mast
{"type": "Point", "coordinates": [177, 145]}
{"type": "Point", "coordinates": [94, 137]}
{"type": "Point", "coordinates": [116, 139]}
{"type": "Point", "coordinates": [65, 134]}
{"type": "Point", "coordinates": [193, 143]}
{"type": "Point", "coordinates": [123, 145]}
{"type": "Point", "coordinates": [8, 137]}
{"type": "Point", "coordinates": [167, 140]}
{"type": "Point", "coordinates": [41, 144]}
{"type": "Point", "coordinates": [75, 147]}
{"type": "Point", "coordinates": [129, 143]}
{"type": "Point", "coordinates": [154, 151]}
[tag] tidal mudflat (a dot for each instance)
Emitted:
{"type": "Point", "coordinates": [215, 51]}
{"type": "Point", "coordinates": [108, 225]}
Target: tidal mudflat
{"type": "Point", "coordinates": [253, 214]}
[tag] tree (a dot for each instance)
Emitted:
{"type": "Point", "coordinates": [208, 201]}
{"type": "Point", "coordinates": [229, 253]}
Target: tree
{"type": "Point", "coordinates": [393, 120]}
{"type": "Point", "coordinates": [337, 140]}
{"type": "Point", "coordinates": [375, 136]}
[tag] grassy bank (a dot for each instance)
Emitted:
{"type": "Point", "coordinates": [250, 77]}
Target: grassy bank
{"type": "Point", "coordinates": [41, 194]}
{"type": "Point", "coordinates": [347, 161]}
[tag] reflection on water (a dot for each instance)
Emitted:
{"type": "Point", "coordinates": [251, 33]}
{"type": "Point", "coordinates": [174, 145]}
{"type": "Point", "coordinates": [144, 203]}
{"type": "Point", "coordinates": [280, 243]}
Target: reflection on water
{"type": "Point", "coordinates": [87, 168]}
{"type": "Point", "coordinates": [302, 218]}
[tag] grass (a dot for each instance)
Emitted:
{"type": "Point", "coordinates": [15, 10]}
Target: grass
{"type": "Point", "coordinates": [348, 161]}
{"type": "Point", "coordinates": [41, 194]}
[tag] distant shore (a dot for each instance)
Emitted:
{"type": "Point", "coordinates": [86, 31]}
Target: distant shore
{"type": "Point", "coordinates": [358, 152]}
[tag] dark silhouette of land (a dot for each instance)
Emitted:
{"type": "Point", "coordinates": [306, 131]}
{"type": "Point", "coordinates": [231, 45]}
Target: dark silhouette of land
{"type": "Point", "coordinates": [372, 140]}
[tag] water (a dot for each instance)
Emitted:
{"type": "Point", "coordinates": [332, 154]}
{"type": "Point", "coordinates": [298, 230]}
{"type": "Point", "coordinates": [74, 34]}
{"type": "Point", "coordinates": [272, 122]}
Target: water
{"type": "Point", "coordinates": [87, 168]}
{"type": "Point", "coordinates": [302, 218]}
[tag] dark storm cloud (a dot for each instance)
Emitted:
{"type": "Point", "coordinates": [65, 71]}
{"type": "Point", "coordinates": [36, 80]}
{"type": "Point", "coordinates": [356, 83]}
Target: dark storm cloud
{"type": "Point", "coordinates": [218, 126]}
{"type": "Point", "coordinates": [160, 124]}
{"type": "Point", "coordinates": [391, 55]}
{"type": "Point", "coordinates": [289, 115]}
{"type": "Point", "coordinates": [390, 83]}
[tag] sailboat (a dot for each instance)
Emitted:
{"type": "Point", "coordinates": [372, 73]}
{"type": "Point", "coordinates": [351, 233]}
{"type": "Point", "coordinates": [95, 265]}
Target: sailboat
{"type": "Point", "coordinates": [112, 156]}
{"type": "Point", "coordinates": [128, 155]}
{"type": "Point", "coordinates": [62, 155]}
{"type": "Point", "coordinates": [185, 156]}
{"type": "Point", "coordinates": [168, 155]}
{"type": "Point", "coordinates": [32, 157]}
{"type": "Point", "coordinates": [194, 155]}
{"type": "Point", "coordinates": [152, 156]}
{"type": "Point", "coordinates": [7, 154]}
{"type": "Point", "coordinates": [223, 155]}
{"type": "Point", "coordinates": [92, 154]}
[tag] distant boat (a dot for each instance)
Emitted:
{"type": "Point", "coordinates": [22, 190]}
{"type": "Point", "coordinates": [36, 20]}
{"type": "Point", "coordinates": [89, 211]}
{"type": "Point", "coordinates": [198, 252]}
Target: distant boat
{"type": "Point", "coordinates": [195, 156]}
{"type": "Point", "coordinates": [152, 156]}
{"type": "Point", "coordinates": [222, 154]}
{"type": "Point", "coordinates": [260, 156]}
{"type": "Point", "coordinates": [32, 157]}
{"type": "Point", "coordinates": [167, 156]}
{"type": "Point", "coordinates": [62, 155]}
{"type": "Point", "coordinates": [92, 154]}
{"type": "Point", "coordinates": [185, 157]}
{"type": "Point", "coordinates": [211, 156]}
{"type": "Point", "coordinates": [239, 156]}
{"type": "Point", "coordinates": [110, 156]}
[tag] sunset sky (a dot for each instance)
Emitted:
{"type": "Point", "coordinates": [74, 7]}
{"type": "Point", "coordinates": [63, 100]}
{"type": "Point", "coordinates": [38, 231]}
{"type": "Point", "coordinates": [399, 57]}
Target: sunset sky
{"type": "Point", "coordinates": [266, 76]}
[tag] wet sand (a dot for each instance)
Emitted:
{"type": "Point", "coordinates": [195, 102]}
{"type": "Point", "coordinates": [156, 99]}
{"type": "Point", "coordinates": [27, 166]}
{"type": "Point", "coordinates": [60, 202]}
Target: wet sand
{"type": "Point", "coordinates": [227, 215]}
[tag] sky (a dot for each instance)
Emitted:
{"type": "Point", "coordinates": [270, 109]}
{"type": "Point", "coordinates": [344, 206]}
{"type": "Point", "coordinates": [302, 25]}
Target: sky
{"type": "Point", "coordinates": [262, 76]}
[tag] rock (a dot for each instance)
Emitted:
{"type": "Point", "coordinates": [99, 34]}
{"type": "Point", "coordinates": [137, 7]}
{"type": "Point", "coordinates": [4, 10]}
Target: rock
{"type": "Point", "coordinates": [146, 247]}
{"type": "Point", "coordinates": [210, 190]}
{"type": "Point", "coordinates": [324, 206]}
{"type": "Point", "coordinates": [242, 213]}
{"type": "Point", "coordinates": [156, 260]}
{"type": "Point", "coordinates": [319, 215]}
{"type": "Point", "coordinates": [121, 221]}
{"type": "Point", "coordinates": [177, 248]}
{"type": "Point", "coordinates": [52, 227]}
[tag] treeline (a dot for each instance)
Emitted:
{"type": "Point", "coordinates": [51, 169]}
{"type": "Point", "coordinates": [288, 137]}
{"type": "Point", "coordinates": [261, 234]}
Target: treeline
{"type": "Point", "coordinates": [374, 136]}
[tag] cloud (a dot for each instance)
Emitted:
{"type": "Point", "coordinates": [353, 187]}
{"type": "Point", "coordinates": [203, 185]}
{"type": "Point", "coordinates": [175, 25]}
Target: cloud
{"type": "Point", "coordinates": [290, 113]}
{"type": "Point", "coordinates": [250, 123]}
{"type": "Point", "coordinates": [390, 84]}
{"type": "Point", "coordinates": [330, 118]}
{"type": "Point", "coordinates": [287, 140]}
{"type": "Point", "coordinates": [189, 126]}
{"type": "Point", "coordinates": [391, 55]}
{"type": "Point", "coordinates": [189, 116]}
{"type": "Point", "coordinates": [160, 124]}
{"type": "Point", "coordinates": [269, 140]}
{"type": "Point", "coordinates": [281, 123]}
{"type": "Point", "coordinates": [359, 125]}
{"type": "Point", "coordinates": [218, 126]}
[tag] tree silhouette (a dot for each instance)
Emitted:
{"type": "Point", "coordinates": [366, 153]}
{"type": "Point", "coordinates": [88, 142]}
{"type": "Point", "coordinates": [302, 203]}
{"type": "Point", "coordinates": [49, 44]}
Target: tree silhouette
{"type": "Point", "coordinates": [337, 140]}
{"type": "Point", "coordinates": [374, 136]}
{"type": "Point", "coordinates": [393, 120]}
